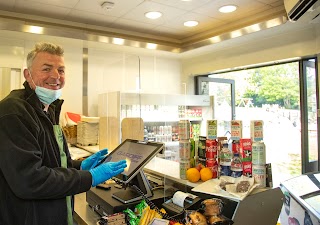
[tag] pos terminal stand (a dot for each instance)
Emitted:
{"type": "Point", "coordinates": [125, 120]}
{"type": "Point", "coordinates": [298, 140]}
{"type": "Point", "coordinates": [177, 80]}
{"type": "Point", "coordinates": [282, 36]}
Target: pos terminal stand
{"type": "Point", "coordinates": [133, 181]}
{"type": "Point", "coordinates": [129, 194]}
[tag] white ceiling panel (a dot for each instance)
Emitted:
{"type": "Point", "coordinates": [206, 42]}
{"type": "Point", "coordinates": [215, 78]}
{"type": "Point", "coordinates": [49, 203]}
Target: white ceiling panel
{"type": "Point", "coordinates": [168, 13]}
{"type": "Point", "coordinates": [40, 9]}
{"type": "Point", "coordinates": [128, 15]}
{"type": "Point", "coordinates": [185, 5]}
{"type": "Point", "coordinates": [91, 18]}
{"type": "Point", "coordinates": [132, 25]}
{"type": "Point", "coordinates": [62, 3]}
{"type": "Point", "coordinates": [203, 20]}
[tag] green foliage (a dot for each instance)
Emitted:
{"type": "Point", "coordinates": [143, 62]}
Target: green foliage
{"type": "Point", "coordinates": [277, 84]}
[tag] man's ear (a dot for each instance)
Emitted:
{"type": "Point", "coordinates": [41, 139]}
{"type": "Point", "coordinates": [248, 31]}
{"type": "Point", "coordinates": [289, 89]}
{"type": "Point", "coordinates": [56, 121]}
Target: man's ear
{"type": "Point", "coordinates": [28, 78]}
{"type": "Point", "coordinates": [26, 74]}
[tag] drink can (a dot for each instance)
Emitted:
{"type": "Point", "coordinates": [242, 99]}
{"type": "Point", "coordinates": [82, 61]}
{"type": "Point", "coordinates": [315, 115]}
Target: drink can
{"type": "Point", "coordinates": [168, 137]}
{"type": "Point", "coordinates": [259, 175]}
{"type": "Point", "coordinates": [256, 130]}
{"type": "Point", "coordinates": [212, 129]}
{"type": "Point", "coordinates": [192, 148]}
{"type": "Point", "coordinates": [191, 132]}
{"type": "Point", "coordinates": [213, 165]}
{"type": "Point", "coordinates": [165, 130]}
{"type": "Point", "coordinates": [211, 148]}
{"type": "Point", "coordinates": [247, 169]}
{"type": "Point", "coordinates": [161, 131]}
{"type": "Point", "coordinates": [258, 153]}
{"type": "Point", "coordinates": [236, 129]}
{"type": "Point", "coordinates": [184, 149]}
{"type": "Point", "coordinates": [184, 166]}
{"type": "Point", "coordinates": [184, 129]}
{"type": "Point", "coordinates": [196, 130]}
{"type": "Point", "coordinates": [269, 181]}
{"type": "Point", "coordinates": [192, 162]}
{"type": "Point", "coordinates": [245, 149]}
{"type": "Point", "coordinates": [202, 147]}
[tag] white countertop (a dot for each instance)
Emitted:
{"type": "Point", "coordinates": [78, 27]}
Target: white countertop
{"type": "Point", "coordinates": [167, 169]}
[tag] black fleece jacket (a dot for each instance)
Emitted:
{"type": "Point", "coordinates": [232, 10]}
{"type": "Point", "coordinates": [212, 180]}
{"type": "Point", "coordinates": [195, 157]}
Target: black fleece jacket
{"type": "Point", "coordinates": [33, 186]}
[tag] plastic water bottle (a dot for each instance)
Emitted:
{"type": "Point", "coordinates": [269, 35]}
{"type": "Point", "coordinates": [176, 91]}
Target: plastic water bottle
{"type": "Point", "coordinates": [225, 160]}
{"type": "Point", "coordinates": [145, 134]}
{"type": "Point", "coordinates": [236, 166]}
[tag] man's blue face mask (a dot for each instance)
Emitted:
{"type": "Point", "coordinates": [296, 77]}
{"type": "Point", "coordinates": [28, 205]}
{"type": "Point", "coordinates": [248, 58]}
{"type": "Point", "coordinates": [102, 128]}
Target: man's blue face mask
{"type": "Point", "coordinates": [46, 96]}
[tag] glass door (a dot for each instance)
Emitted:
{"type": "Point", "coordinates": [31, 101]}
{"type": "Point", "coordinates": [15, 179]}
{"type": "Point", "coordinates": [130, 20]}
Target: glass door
{"type": "Point", "coordinates": [309, 119]}
{"type": "Point", "coordinates": [270, 94]}
{"type": "Point", "coordinates": [223, 92]}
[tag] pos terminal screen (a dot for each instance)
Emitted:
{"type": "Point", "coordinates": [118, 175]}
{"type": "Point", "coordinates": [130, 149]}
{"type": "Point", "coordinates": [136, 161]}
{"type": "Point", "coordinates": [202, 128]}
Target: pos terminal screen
{"type": "Point", "coordinates": [136, 153]}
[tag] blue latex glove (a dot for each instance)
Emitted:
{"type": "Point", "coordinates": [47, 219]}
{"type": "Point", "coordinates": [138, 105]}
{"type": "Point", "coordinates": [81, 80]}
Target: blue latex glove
{"type": "Point", "coordinates": [93, 160]}
{"type": "Point", "coordinates": [105, 171]}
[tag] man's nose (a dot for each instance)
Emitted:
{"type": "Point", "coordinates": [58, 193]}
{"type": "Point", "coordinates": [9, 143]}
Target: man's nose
{"type": "Point", "coordinates": [55, 74]}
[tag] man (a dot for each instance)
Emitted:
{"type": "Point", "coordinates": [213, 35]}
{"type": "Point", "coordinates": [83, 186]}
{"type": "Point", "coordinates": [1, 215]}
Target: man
{"type": "Point", "coordinates": [37, 175]}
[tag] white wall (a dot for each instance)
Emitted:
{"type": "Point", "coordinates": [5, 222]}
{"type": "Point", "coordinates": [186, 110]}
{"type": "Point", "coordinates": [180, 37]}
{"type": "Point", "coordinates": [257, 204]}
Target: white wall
{"type": "Point", "coordinates": [119, 71]}
{"type": "Point", "coordinates": [265, 46]}
{"type": "Point", "coordinates": [113, 68]}
{"type": "Point", "coordinates": [14, 47]}
{"type": "Point", "coordinates": [110, 68]}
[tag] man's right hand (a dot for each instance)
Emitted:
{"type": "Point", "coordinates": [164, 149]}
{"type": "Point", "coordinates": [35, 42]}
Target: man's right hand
{"type": "Point", "coordinates": [106, 171]}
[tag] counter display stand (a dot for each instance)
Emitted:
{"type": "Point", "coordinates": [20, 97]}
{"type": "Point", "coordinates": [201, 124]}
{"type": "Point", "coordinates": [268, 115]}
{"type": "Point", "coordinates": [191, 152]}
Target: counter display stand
{"type": "Point", "coordinates": [261, 207]}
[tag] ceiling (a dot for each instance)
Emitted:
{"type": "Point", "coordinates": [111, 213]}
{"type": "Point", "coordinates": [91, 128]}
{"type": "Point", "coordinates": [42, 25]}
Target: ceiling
{"type": "Point", "coordinates": [126, 19]}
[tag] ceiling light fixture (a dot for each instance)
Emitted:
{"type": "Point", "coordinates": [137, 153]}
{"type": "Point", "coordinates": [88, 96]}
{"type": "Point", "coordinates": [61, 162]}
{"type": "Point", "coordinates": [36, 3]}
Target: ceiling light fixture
{"type": "Point", "coordinates": [191, 23]}
{"type": "Point", "coordinates": [153, 15]}
{"type": "Point", "coordinates": [151, 46]}
{"type": "Point", "coordinates": [228, 8]}
{"type": "Point", "coordinates": [35, 30]}
{"type": "Point", "coordinates": [118, 41]}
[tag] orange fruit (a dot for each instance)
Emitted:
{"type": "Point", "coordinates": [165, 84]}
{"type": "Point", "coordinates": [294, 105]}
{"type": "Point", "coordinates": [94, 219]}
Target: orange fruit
{"type": "Point", "coordinates": [206, 174]}
{"type": "Point", "coordinates": [193, 175]}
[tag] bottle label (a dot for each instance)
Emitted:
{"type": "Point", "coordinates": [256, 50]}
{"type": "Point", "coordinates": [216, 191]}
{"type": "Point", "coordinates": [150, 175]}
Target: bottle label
{"type": "Point", "coordinates": [225, 159]}
{"type": "Point", "coordinates": [236, 173]}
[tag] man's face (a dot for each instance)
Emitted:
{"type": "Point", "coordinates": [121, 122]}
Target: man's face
{"type": "Point", "coordinates": [47, 71]}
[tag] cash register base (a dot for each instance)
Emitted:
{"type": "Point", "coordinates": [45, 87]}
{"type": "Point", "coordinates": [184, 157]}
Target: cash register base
{"type": "Point", "coordinates": [103, 203]}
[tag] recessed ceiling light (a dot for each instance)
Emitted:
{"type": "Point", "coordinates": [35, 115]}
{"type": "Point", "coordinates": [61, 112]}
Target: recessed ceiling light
{"type": "Point", "coordinates": [151, 46]}
{"type": "Point", "coordinates": [191, 23]}
{"type": "Point", "coordinates": [153, 15]}
{"type": "Point", "coordinates": [118, 41]}
{"type": "Point", "coordinates": [227, 8]}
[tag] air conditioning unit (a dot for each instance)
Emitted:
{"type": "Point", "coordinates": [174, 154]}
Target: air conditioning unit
{"type": "Point", "coordinates": [297, 9]}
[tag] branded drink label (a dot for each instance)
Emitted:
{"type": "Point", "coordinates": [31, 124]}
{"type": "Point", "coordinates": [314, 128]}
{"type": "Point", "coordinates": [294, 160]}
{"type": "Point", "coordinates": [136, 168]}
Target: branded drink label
{"type": "Point", "coordinates": [236, 129]}
{"type": "Point", "coordinates": [211, 129]}
{"type": "Point", "coordinates": [235, 147]}
{"type": "Point", "coordinates": [246, 149]}
{"type": "Point", "coordinates": [202, 147]}
{"type": "Point", "coordinates": [211, 148]}
{"type": "Point", "coordinates": [256, 130]}
{"type": "Point", "coordinates": [247, 169]}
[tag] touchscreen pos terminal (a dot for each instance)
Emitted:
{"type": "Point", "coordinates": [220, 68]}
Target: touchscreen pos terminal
{"type": "Point", "coordinates": [137, 154]}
